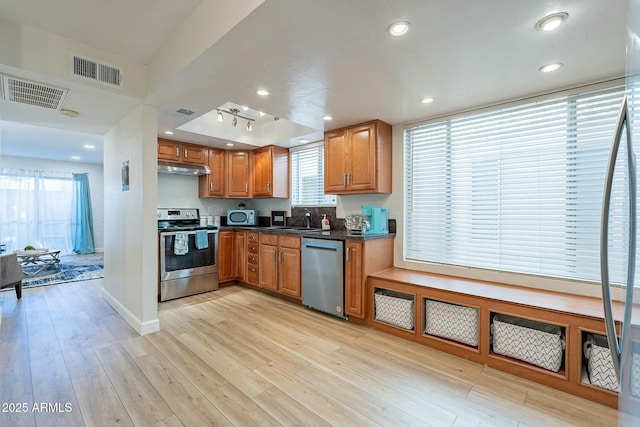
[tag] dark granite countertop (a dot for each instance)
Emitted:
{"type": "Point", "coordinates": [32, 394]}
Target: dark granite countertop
{"type": "Point", "coordinates": [313, 233]}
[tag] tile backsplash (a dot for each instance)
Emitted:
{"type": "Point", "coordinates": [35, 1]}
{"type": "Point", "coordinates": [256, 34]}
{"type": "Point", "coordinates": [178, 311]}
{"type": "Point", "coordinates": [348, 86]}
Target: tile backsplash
{"type": "Point", "coordinates": [298, 216]}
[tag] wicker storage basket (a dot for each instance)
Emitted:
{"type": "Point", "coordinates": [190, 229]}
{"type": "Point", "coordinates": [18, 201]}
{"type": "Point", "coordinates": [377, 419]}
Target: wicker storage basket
{"type": "Point", "coordinates": [451, 321]}
{"type": "Point", "coordinates": [600, 364]}
{"type": "Point", "coordinates": [394, 310]}
{"type": "Point", "coordinates": [634, 381]}
{"type": "Point", "coordinates": [537, 343]}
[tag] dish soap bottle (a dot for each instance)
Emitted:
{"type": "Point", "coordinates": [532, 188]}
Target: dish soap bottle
{"type": "Point", "coordinates": [325, 222]}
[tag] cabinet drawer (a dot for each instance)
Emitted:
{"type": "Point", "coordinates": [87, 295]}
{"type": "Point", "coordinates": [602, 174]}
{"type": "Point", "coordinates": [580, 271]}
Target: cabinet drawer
{"type": "Point", "coordinates": [252, 237]}
{"type": "Point", "coordinates": [269, 239]}
{"type": "Point", "coordinates": [252, 248]}
{"type": "Point", "coordinates": [253, 259]}
{"type": "Point", "coordinates": [252, 274]}
{"type": "Point", "coordinates": [290, 242]}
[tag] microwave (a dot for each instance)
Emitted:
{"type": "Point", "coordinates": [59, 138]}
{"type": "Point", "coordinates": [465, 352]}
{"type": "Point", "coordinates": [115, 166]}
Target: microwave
{"type": "Point", "coordinates": [242, 217]}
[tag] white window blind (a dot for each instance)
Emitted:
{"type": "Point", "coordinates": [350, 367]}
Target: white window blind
{"type": "Point", "coordinates": [307, 177]}
{"type": "Point", "coordinates": [517, 189]}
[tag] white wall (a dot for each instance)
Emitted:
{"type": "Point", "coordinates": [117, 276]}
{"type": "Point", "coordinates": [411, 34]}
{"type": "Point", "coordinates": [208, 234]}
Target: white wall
{"type": "Point", "coordinates": [131, 238]}
{"type": "Point", "coordinates": [181, 191]}
{"type": "Point", "coordinates": [96, 184]}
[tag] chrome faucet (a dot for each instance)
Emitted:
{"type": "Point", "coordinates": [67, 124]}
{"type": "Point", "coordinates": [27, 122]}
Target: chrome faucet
{"type": "Point", "coordinates": [308, 215]}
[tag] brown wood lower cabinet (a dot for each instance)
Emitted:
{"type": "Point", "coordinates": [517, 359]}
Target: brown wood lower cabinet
{"type": "Point", "coordinates": [241, 255]}
{"type": "Point", "coordinates": [226, 268]}
{"type": "Point", "coordinates": [274, 262]}
{"type": "Point", "coordinates": [280, 264]}
{"type": "Point", "coordinates": [575, 316]}
{"type": "Point", "coordinates": [361, 259]}
{"type": "Point", "coordinates": [253, 258]}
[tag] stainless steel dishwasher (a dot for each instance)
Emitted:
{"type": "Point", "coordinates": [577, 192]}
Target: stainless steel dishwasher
{"type": "Point", "coordinates": [323, 275]}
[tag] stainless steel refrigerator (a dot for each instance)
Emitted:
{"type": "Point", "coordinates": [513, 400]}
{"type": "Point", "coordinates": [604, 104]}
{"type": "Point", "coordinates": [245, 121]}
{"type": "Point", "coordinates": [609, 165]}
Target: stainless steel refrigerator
{"type": "Point", "coordinates": [624, 343]}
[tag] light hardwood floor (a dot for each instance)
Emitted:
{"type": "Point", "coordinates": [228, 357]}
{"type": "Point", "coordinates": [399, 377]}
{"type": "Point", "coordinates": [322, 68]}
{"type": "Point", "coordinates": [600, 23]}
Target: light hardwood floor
{"type": "Point", "coordinates": [239, 357]}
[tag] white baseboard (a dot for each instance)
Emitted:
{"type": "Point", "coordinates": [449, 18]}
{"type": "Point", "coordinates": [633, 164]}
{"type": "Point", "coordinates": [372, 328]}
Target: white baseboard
{"type": "Point", "coordinates": [143, 328]}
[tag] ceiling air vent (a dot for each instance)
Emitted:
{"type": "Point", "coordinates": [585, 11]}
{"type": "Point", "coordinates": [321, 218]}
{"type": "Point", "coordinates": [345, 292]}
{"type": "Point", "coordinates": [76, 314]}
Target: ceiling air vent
{"type": "Point", "coordinates": [99, 72]}
{"type": "Point", "coordinates": [24, 91]}
{"type": "Point", "coordinates": [185, 111]}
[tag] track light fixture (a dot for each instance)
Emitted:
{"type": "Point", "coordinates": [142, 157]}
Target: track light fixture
{"type": "Point", "coordinates": [234, 112]}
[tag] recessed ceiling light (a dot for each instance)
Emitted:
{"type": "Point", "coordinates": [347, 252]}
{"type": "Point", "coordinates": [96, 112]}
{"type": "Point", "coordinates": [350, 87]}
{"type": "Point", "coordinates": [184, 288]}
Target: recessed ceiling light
{"type": "Point", "coordinates": [229, 144]}
{"type": "Point", "coordinates": [262, 92]}
{"type": "Point", "coordinates": [75, 157]}
{"type": "Point", "coordinates": [327, 118]}
{"type": "Point", "coordinates": [245, 108]}
{"type": "Point", "coordinates": [303, 141]}
{"type": "Point", "coordinates": [168, 132]}
{"type": "Point", "coordinates": [89, 146]}
{"type": "Point", "coordinates": [551, 22]}
{"type": "Point", "coordinates": [399, 28]}
{"type": "Point", "coordinates": [426, 100]}
{"type": "Point", "coordinates": [550, 67]}
{"type": "Point", "coordinates": [262, 113]}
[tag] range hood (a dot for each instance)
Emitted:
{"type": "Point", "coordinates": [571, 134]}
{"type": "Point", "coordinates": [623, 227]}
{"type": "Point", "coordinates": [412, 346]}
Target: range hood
{"type": "Point", "coordinates": [182, 168]}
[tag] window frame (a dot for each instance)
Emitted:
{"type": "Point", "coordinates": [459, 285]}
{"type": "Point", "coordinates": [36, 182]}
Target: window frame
{"type": "Point", "coordinates": [485, 273]}
{"type": "Point", "coordinates": [318, 145]}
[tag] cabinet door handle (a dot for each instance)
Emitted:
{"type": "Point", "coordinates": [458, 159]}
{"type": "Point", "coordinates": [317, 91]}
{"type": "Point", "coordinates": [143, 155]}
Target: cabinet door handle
{"type": "Point", "coordinates": [279, 257]}
{"type": "Point", "coordinates": [246, 188]}
{"type": "Point", "coordinates": [186, 153]}
{"type": "Point", "coordinates": [210, 186]}
{"type": "Point", "coordinates": [347, 254]}
{"type": "Point", "coordinates": [349, 179]}
{"type": "Point", "coordinates": [177, 151]}
{"type": "Point", "coordinates": [344, 179]}
{"type": "Point", "coordinates": [268, 186]}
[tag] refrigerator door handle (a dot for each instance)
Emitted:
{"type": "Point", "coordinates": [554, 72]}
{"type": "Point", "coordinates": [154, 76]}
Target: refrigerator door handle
{"type": "Point", "coordinates": [614, 345]}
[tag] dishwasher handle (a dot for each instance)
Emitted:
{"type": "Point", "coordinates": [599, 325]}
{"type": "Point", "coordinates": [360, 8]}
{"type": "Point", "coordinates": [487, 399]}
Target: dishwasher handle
{"type": "Point", "coordinates": [321, 246]}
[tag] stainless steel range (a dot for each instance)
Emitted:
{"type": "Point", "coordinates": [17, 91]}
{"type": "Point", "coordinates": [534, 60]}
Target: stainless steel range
{"type": "Point", "coordinates": [188, 254]}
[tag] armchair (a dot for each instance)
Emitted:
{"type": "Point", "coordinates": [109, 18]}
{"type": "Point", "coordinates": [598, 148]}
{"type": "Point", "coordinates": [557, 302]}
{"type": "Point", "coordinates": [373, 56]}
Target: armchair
{"type": "Point", "coordinates": [11, 273]}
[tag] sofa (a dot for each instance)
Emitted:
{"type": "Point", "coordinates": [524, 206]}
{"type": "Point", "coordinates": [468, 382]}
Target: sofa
{"type": "Point", "coordinates": [11, 273]}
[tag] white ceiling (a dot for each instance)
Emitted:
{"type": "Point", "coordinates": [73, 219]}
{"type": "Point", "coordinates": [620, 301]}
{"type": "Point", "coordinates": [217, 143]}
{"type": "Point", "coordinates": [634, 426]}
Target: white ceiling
{"type": "Point", "coordinates": [334, 57]}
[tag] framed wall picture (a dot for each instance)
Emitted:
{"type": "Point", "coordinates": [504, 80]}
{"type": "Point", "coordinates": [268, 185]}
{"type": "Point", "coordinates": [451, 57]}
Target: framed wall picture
{"type": "Point", "coordinates": [125, 176]}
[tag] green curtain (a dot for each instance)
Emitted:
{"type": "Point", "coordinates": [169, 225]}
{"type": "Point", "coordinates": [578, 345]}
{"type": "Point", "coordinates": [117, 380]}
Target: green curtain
{"type": "Point", "coordinates": [81, 216]}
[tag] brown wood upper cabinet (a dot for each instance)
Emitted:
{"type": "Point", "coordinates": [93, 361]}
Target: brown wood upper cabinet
{"type": "Point", "coordinates": [270, 172]}
{"type": "Point", "coordinates": [238, 174]}
{"type": "Point", "coordinates": [182, 152]}
{"type": "Point", "coordinates": [357, 159]}
{"type": "Point", "coordinates": [213, 184]}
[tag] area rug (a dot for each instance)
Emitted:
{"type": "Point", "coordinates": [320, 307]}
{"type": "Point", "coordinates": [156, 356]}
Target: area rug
{"type": "Point", "coordinates": [72, 268]}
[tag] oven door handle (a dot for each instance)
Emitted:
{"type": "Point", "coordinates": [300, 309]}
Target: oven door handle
{"type": "Point", "coordinates": [173, 233]}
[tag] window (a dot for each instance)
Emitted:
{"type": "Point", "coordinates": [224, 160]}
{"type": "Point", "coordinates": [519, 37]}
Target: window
{"type": "Point", "coordinates": [518, 189]}
{"type": "Point", "coordinates": [35, 209]}
{"type": "Point", "coordinates": [307, 177]}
